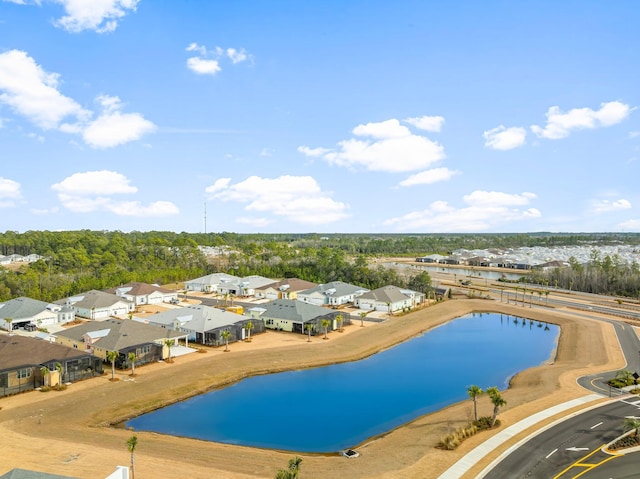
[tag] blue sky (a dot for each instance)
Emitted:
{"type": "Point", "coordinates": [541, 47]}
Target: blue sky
{"type": "Point", "coordinates": [334, 116]}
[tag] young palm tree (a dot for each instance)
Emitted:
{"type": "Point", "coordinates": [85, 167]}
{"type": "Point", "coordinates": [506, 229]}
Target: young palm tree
{"type": "Point", "coordinates": [309, 328]}
{"type": "Point", "coordinates": [249, 326]}
{"type": "Point", "coordinates": [362, 316]}
{"type": "Point", "coordinates": [225, 335]}
{"type": "Point", "coordinates": [9, 321]}
{"type": "Point", "coordinates": [497, 400]}
{"type": "Point", "coordinates": [294, 466]}
{"type": "Point", "coordinates": [632, 423]}
{"type": "Point", "coordinates": [132, 443]}
{"type": "Point", "coordinates": [111, 357]}
{"type": "Point", "coordinates": [132, 359]}
{"type": "Point", "coordinates": [325, 324]}
{"type": "Point", "coordinates": [59, 369]}
{"type": "Point", "coordinates": [474, 392]}
{"type": "Point", "coordinates": [339, 319]}
{"type": "Point", "coordinates": [45, 372]}
{"type": "Point", "coordinates": [170, 343]}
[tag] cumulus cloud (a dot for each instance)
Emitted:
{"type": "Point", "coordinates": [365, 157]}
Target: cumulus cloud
{"type": "Point", "coordinates": [427, 123]}
{"type": "Point", "coordinates": [98, 15]}
{"type": "Point", "coordinates": [9, 192]}
{"type": "Point", "coordinates": [208, 61]}
{"type": "Point", "coordinates": [485, 210]}
{"type": "Point", "coordinates": [428, 177]}
{"type": "Point", "coordinates": [298, 199]}
{"type": "Point", "coordinates": [93, 191]}
{"type": "Point", "coordinates": [101, 16]}
{"type": "Point", "coordinates": [560, 124]}
{"type": "Point", "coordinates": [33, 93]}
{"type": "Point", "coordinates": [113, 128]}
{"type": "Point", "coordinates": [503, 138]}
{"type": "Point", "coordinates": [382, 146]}
{"type": "Point", "coordinates": [606, 206]}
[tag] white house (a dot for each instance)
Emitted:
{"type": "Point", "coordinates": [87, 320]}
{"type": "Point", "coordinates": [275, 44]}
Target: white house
{"type": "Point", "coordinates": [99, 305]}
{"type": "Point", "coordinates": [212, 283]}
{"type": "Point", "coordinates": [22, 311]}
{"type": "Point", "coordinates": [389, 298]}
{"type": "Point", "coordinates": [333, 294]}
{"type": "Point", "coordinates": [143, 293]}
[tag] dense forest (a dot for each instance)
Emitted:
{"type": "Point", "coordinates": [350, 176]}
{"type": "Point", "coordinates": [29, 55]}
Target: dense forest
{"type": "Point", "coordinates": [76, 261]}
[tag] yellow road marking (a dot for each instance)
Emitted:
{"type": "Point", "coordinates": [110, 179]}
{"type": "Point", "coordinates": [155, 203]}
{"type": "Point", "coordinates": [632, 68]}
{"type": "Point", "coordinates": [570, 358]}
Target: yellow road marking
{"type": "Point", "coordinates": [587, 466]}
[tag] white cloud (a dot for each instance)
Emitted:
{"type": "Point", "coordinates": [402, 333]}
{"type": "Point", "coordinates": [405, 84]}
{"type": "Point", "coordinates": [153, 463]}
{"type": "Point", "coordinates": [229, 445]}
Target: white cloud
{"type": "Point", "coordinates": [237, 56]}
{"type": "Point", "coordinates": [560, 125]}
{"type": "Point", "coordinates": [254, 222]}
{"type": "Point", "coordinates": [91, 191]}
{"type": "Point", "coordinates": [605, 206]}
{"type": "Point", "coordinates": [427, 123]}
{"type": "Point", "coordinates": [502, 138]}
{"type": "Point", "coordinates": [113, 128]}
{"type": "Point", "coordinates": [33, 93]}
{"type": "Point", "coordinates": [44, 211]}
{"type": "Point", "coordinates": [98, 15]}
{"type": "Point", "coordinates": [392, 148]}
{"type": "Point", "coordinates": [267, 152]}
{"type": "Point", "coordinates": [630, 225]}
{"type": "Point", "coordinates": [429, 177]}
{"type": "Point", "coordinates": [634, 134]}
{"type": "Point", "coordinates": [208, 61]}
{"type": "Point", "coordinates": [202, 66]}
{"type": "Point", "coordinates": [486, 210]}
{"type": "Point", "coordinates": [298, 199]}
{"type": "Point", "coordinates": [9, 192]}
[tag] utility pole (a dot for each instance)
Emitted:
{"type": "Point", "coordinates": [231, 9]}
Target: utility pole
{"type": "Point", "coordinates": [205, 217]}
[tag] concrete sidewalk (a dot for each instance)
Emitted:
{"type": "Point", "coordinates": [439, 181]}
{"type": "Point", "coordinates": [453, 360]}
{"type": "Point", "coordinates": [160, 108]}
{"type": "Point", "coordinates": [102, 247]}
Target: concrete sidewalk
{"type": "Point", "coordinates": [472, 458]}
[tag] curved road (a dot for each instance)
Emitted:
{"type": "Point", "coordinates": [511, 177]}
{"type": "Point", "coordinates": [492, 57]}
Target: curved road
{"type": "Point", "coordinates": [572, 447]}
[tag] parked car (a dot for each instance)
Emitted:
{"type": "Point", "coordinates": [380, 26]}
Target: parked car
{"type": "Point", "coordinates": [30, 327]}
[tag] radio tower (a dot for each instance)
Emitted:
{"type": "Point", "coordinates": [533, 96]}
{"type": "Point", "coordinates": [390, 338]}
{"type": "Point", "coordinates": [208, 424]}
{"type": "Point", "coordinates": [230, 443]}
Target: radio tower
{"type": "Point", "coordinates": [205, 217]}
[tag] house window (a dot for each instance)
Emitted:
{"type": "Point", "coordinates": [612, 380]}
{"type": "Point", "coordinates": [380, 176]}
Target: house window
{"type": "Point", "coordinates": [143, 350]}
{"type": "Point", "coordinates": [24, 373]}
{"type": "Point", "coordinates": [4, 380]}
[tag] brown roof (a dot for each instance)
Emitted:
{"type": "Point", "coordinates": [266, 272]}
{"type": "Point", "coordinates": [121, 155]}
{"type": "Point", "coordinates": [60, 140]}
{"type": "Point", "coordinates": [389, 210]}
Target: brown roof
{"type": "Point", "coordinates": [294, 284]}
{"type": "Point", "coordinates": [19, 351]}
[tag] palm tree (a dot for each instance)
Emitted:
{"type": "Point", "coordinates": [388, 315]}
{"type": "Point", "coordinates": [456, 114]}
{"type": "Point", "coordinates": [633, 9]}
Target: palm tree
{"type": "Point", "coordinates": [249, 326]}
{"type": "Point", "coordinates": [389, 308]}
{"type": "Point", "coordinates": [132, 443]}
{"type": "Point", "coordinates": [9, 321]}
{"type": "Point", "coordinates": [169, 343]}
{"type": "Point", "coordinates": [59, 369]}
{"type": "Point", "coordinates": [45, 372]}
{"type": "Point", "coordinates": [132, 359]}
{"type": "Point", "coordinates": [111, 357]}
{"type": "Point", "coordinates": [497, 400]}
{"type": "Point", "coordinates": [339, 319]}
{"type": "Point", "coordinates": [225, 335]}
{"type": "Point", "coordinates": [362, 316]}
{"type": "Point", "coordinates": [309, 328]}
{"type": "Point", "coordinates": [546, 294]}
{"type": "Point", "coordinates": [632, 422]}
{"type": "Point", "coordinates": [325, 324]}
{"type": "Point", "coordinates": [292, 471]}
{"type": "Point", "coordinates": [474, 392]}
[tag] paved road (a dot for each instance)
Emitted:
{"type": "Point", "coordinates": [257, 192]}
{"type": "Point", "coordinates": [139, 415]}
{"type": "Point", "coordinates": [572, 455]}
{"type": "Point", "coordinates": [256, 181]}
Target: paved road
{"type": "Point", "coordinates": [559, 451]}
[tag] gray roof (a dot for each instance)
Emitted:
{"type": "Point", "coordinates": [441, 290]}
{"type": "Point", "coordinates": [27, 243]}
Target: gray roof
{"type": "Point", "coordinates": [289, 284]}
{"type": "Point", "coordinates": [199, 318]}
{"type": "Point", "coordinates": [135, 288]}
{"type": "Point", "coordinates": [336, 289]}
{"type": "Point", "coordinates": [389, 293]}
{"type": "Point", "coordinates": [25, 474]}
{"type": "Point", "coordinates": [23, 307]}
{"type": "Point", "coordinates": [292, 310]}
{"type": "Point", "coordinates": [94, 299]}
{"type": "Point", "coordinates": [215, 278]}
{"type": "Point", "coordinates": [254, 281]}
{"type": "Point", "coordinates": [121, 333]}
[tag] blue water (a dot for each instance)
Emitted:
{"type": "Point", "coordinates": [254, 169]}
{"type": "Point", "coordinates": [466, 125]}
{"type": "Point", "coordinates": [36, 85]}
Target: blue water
{"type": "Point", "coordinates": [337, 407]}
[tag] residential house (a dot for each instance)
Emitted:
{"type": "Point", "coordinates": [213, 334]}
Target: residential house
{"type": "Point", "coordinates": [98, 305]}
{"type": "Point", "coordinates": [22, 359]}
{"type": "Point", "coordinates": [433, 258]}
{"type": "Point", "coordinates": [247, 286]}
{"type": "Point", "coordinates": [389, 298]}
{"type": "Point", "coordinates": [205, 324]}
{"type": "Point", "coordinates": [285, 289]}
{"type": "Point", "coordinates": [335, 293]}
{"type": "Point", "coordinates": [212, 283]}
{"type": "Point", "coordinates": [25, 311]}
{"type": "Point", "coordinates": [122, 335]}
{"type": "Point", "coordinates": [293, 315]}
{"type": "Point", "coordinates": [143, 293]}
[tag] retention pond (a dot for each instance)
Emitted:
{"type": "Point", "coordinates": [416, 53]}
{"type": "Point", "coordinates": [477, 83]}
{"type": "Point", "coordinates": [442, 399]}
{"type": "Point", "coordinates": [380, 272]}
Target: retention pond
{"type": "Point", "coordinates": [336, 407]}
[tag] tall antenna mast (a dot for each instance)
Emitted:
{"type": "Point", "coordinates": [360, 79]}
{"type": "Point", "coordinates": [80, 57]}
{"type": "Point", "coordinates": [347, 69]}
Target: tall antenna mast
{"type": "Point", "coordinates": [205, 217]}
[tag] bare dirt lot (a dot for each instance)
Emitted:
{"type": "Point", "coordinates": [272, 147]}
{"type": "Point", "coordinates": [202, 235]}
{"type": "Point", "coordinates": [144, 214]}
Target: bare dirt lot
{"type": "Point", "coordinates": [70, 432]}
